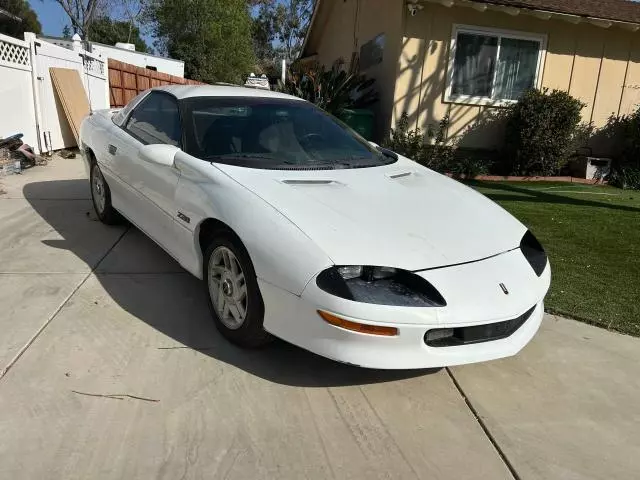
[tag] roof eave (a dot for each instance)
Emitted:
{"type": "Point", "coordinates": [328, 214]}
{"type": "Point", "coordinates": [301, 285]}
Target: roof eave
{"type": "Point", "coordinates": [316, 7]}
{"type": "Point", "coordinates": [482, 6]}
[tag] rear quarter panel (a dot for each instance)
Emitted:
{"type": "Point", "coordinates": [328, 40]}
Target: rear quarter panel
{"type": "Point", "coordinates": [94, 135]}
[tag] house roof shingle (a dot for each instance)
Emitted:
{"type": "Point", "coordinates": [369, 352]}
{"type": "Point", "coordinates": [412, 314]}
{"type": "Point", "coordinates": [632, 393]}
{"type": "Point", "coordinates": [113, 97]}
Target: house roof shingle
{"type": "Point", "coordinates": [614, 10]}
{"type": "Point", "coordinates": [618, 10]}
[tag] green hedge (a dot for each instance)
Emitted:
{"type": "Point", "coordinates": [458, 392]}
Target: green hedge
{"type": "Point", "coordinates": [543, 130]}
{"type": "Point", "coordinates": [624, 133]}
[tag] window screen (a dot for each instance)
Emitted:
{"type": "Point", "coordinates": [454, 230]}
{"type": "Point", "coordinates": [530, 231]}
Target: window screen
{"type": "Point", "coordinates": [494, 66]}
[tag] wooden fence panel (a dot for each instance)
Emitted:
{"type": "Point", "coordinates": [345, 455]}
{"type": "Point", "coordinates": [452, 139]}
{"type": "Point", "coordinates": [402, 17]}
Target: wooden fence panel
{"type": "Point", "coordinates": [126, 81]}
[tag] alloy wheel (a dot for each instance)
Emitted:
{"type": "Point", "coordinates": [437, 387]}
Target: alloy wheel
{"type": "Point", "coordinates": [98, 189]}
{"type": "Point", "coordinates": [227, 288]}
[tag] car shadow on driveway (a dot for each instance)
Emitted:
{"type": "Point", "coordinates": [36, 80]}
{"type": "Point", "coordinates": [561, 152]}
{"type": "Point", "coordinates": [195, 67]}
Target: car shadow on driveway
{"type": "Point", "coordinates": [174, 303]}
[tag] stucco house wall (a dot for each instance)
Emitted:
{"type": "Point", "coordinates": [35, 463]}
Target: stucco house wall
{"type": "Point", "coordinates": [340, 30]}
{"type": "Point", "coordinates": [600, 66]}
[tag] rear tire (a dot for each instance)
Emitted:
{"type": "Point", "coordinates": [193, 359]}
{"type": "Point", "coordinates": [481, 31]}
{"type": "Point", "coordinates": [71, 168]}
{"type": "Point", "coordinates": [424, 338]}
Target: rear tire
{"type": "Point", "coordinates": [101, 197]}
{"type": "Point", "coordinates": [233, 293]}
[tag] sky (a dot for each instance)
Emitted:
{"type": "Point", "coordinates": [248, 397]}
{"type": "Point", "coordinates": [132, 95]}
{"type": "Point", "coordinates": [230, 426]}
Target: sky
{"type": "Point", "coordinates": [53, 19]}
{"type": "Point", "coordinates": [51, 16]}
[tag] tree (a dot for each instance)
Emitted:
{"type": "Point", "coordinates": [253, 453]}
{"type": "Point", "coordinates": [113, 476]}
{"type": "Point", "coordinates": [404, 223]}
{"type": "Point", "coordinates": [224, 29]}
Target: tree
{"type": "Point", "coordinates": [279, 28]}
{"type": "Point", "coordinates": [292, 21]}
{"type": "Point", "coordinates": [82, 13]}
{"type": "Point", "coordinates": [132, 12]}
{"type": "Point", "coordinates": [108, 31]}
{"type": "Point", "coordinates": [212, 37]}
{"type": "Point", "coordinates": [263, 35]}
{"type": "Point", "coordinates": [17, 17]}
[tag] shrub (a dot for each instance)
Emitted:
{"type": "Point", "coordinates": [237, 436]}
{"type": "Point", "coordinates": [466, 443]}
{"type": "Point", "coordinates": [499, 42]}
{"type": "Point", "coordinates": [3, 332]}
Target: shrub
{"type": "Point", "coordinates": [332, 90]}
{"type": "Point", "coordinates": [438, 155]}
{"type": "Point", "coordinates": [468, 166]}
{"type": "Point", "coordinates": [624, 134]}
{"type": "Point", "coordinates": [431, 149]}
{"type": "Point", "coordinates": [542, 130]}
{"type": "Point", "coordinates": [410, 143]}
{"type": "Point", "coordinates": [625, 177]}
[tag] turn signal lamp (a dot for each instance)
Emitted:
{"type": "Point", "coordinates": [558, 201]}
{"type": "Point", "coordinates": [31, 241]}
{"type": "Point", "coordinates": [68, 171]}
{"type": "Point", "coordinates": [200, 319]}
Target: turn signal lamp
{"type": "Point", "coordinates": [358, 327]}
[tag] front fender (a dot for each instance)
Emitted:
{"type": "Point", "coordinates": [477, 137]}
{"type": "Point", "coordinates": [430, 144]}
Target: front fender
{"type": "Point", "coordinates": [281, 253]}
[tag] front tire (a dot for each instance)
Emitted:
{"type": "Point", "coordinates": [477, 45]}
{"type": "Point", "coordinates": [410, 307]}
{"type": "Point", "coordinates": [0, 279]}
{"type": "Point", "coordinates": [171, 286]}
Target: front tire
{"type": "Point", "coordinates": [233, 293]}
{"type": "Point", "coordinates": [101, 197]}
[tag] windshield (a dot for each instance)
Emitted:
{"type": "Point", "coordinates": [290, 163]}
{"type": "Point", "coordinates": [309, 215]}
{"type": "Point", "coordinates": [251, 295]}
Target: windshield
{"type": "Point", "coordinates": [273, 134]}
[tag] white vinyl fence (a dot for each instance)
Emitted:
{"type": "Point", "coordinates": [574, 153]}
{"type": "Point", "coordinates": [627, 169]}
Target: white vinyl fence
{"type": "Point", "coordinates": [28, 101]}
{"type": "Point", "coordinates": [17, 108]}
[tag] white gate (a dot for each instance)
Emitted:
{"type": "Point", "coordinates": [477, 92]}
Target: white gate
{"type": "Point", "coordinates": [28, 101]}
{"type": "Point", "coordinates": [54, 127]}
{"type": "Point", "coordinates": [17, 113]}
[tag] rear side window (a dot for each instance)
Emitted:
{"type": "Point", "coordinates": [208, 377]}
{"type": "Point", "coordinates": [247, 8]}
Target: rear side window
{"type": "Point", "coordinates": [156, 120]}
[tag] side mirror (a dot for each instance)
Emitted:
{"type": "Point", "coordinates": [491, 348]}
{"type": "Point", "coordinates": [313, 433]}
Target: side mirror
{"type": "Point", "coordinates": [160, 154]}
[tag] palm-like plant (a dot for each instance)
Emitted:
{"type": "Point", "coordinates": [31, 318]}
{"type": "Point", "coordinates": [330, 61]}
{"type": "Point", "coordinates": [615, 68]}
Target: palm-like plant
{"type": "Point", "coordinates": [333, 90]}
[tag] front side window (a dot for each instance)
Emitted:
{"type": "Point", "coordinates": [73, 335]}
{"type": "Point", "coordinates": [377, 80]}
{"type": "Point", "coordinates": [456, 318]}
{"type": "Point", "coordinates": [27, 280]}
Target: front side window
{"type": "Point", "coordinates": [272, 133]}
{"type": "Point", "coordinates": [156, 120]}
{"type": "Point", "coordinates": [121, 115]}
{"type": "Point", "coordinates": [493, 66]}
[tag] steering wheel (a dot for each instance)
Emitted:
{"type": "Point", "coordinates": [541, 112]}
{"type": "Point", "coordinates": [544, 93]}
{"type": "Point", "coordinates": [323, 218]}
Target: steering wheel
{"type": "Point", "coordinates": [311, 138]}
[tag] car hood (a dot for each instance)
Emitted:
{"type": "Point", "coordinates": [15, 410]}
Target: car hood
{"type": "Point", "coordinates": [400, 215]}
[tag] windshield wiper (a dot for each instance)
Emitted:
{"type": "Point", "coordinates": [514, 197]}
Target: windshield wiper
{"type": "Point", "coordinates": [387, 153]}
{"type": "Point", "coordinates": [232, 156]}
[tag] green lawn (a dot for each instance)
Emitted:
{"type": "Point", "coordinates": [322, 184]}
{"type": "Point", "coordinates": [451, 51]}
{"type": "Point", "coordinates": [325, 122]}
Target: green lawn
{"type": "Point", "coordinates": [592, 237]}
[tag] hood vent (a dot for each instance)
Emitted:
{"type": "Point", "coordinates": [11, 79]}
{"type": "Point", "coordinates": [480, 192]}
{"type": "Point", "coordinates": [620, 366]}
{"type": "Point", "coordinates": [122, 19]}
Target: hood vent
{"type": "Point", "coordinates": [306, 181]}
{"type": "Point", "coordinates": [395, 175]}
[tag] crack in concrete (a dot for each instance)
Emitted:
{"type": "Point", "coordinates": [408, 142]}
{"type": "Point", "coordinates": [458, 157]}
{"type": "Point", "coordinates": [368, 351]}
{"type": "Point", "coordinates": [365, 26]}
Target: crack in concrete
{"type": "Point", "coordinates": [35, 336]}
{"type": "Point", "coordinates": [484, 427]}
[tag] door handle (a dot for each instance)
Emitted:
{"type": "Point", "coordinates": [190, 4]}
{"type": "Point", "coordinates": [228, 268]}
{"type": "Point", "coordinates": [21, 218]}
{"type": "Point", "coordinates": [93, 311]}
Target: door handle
{"type": "Point", "coordinates": [112, 149]}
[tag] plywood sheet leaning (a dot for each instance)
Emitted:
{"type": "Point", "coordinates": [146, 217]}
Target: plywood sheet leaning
{"type": "Point", "coordinates": [73, 98]}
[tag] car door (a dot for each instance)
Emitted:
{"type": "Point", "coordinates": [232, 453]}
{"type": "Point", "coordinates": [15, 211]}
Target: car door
{"type": "Point", "coordinates": [148, 196]}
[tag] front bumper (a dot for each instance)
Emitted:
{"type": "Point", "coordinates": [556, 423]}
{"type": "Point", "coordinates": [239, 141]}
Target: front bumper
{"type": "Point", "coordinates": [474, 298]}
{"type": "Point", "coordinates": [295, 319]}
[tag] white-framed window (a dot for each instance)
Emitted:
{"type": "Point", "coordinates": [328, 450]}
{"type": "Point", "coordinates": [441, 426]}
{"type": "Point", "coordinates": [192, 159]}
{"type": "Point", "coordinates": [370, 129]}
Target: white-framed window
{"type": "Point", "coordinates": [491, 66]}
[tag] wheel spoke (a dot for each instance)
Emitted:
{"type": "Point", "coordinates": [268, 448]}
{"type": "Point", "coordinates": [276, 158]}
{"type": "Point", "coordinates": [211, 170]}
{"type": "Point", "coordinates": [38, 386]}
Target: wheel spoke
{"type": "Point", "coordinates": [216, 271]}
{"type": "Point", "coordinates": [226, 259]}
{"type": "Point", "coordinates": [221, 300]}
{"type": "Point", "coordinates": [241, 293]}
{"type": "Point", "coordinates": [236, 313]}
{"type": "Point", "coordinates": [242, 311]}
{"type": "Point", "coordinates": [226, 310]}
{"type": "Point", "coordinates": [235, 268]}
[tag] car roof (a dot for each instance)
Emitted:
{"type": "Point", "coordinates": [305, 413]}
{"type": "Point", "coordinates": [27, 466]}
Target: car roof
{"type": "Point", "coordinates": [187, 91]}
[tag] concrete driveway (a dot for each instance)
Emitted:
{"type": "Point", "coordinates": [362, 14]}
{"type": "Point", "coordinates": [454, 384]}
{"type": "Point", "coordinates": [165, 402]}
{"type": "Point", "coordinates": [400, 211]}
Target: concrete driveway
{"type": "Point", "coordinates": [111, 368]}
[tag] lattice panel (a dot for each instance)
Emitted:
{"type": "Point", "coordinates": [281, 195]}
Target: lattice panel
{"type": "Point", "coordinates": [14, 54]}
{"type": "Point", "coordinates": [93, 66]}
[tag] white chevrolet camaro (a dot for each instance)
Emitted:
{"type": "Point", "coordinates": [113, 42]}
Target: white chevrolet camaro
{"type": "Point", "coordinates": [302, 230]}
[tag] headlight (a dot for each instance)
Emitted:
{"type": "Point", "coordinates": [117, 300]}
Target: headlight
{"type": "Point", "coordinates": [533, 252]}
{"type": "Point", "coordinates": [379, 285]}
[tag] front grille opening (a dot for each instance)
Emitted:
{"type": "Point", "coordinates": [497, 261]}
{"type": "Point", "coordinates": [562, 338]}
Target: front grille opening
{"type": "Point", "coordinates": [450, 337]}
